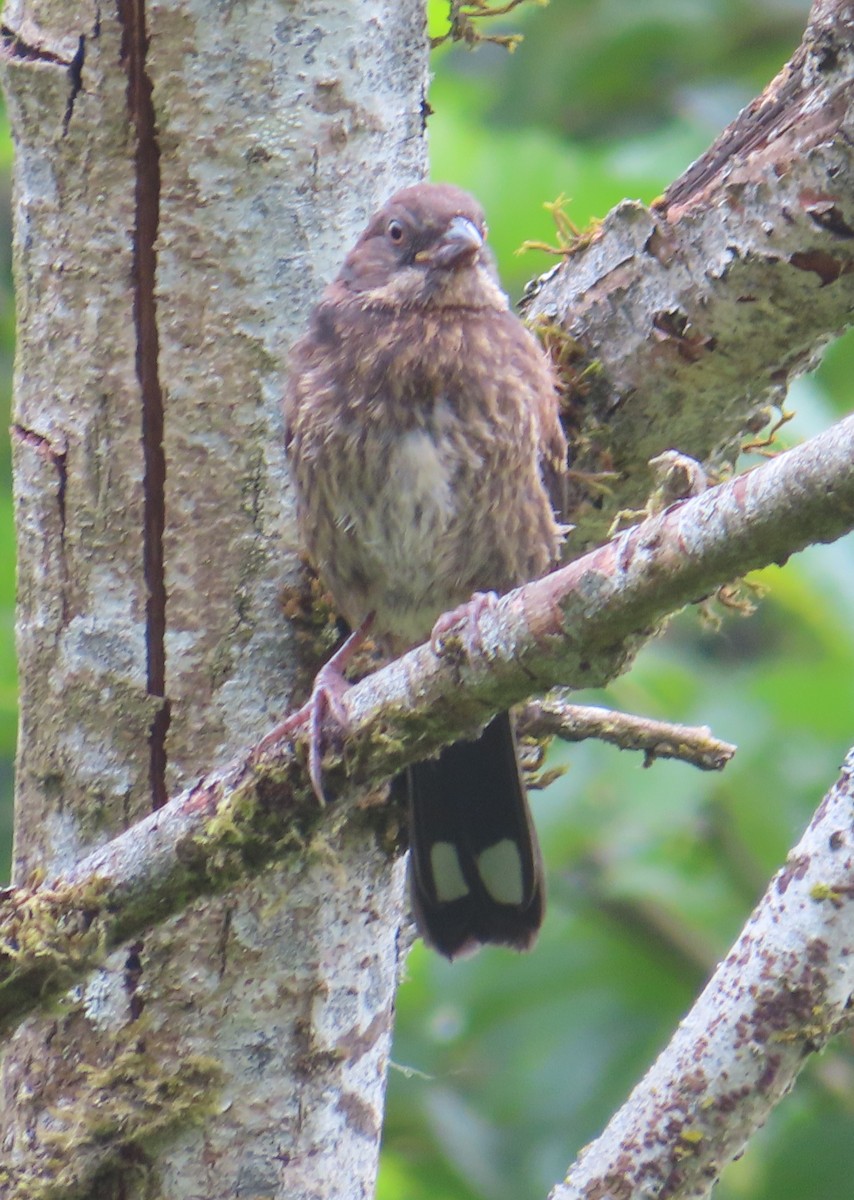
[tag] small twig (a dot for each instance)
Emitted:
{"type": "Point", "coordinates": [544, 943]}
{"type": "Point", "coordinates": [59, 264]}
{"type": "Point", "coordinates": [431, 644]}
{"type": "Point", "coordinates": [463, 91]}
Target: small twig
{"type": "Point", "coordinates": [554, 715]}
{"type": "Point", "coordinates": [463, 13]}
{"type": "Point", "coordinates": [766, 444]}
{"type": "Point", "coordinates": [569, 237]}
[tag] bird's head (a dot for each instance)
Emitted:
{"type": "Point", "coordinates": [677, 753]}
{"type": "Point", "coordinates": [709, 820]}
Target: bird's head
{"type": "Point", "coordinates": [426, 248]}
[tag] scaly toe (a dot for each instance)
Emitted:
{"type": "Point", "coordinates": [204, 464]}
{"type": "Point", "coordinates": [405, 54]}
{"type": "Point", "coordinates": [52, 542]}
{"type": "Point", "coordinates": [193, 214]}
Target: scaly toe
{"type": "Point", "coordinates": [463, 621]}
{"type": "Point", "coordinates": [325, 700]}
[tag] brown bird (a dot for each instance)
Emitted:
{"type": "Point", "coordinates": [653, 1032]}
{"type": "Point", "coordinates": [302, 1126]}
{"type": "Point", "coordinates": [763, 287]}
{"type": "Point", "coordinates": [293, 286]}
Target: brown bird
{"type": "Point", "coordinates": [424, 443]}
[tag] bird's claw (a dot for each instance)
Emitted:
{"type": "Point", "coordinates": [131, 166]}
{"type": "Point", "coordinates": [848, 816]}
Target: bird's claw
{"type": "Point", "coordinates": [465, 624]}
{"type": "Point", "coordinates": [325, 701]}
{"type": "Point", "coordinates": [327, 693]}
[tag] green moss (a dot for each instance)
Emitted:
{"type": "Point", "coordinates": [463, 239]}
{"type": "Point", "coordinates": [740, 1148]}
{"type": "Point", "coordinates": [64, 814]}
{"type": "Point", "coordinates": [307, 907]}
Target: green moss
{"type": "Point", "coordinates": [124, 1103]}
{"type": "Point", "coordinates": [825, 891]}
{"type": "Point", "coordinates": [250, 826]}
{"type": "Point", "coordinates": [49, 934]}
{"type": "Point", "coordinates": [692, 1136]}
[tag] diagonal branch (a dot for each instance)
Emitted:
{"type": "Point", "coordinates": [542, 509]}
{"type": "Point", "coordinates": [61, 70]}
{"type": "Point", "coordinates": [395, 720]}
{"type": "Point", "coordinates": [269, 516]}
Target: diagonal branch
{"type": "Point", "coordinates": [781, 993]}
{"type": "Point", "coordinates": [579, 626]}
{"type": "Point", "coordinates": [678, 324]}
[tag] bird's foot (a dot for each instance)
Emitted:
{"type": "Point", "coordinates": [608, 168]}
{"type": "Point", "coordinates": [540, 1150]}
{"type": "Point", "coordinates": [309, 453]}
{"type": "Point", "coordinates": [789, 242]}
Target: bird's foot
{"type": "Point", "coordinates": [327, 692]}
{"type": "Point", "coordinates": [463, 623]}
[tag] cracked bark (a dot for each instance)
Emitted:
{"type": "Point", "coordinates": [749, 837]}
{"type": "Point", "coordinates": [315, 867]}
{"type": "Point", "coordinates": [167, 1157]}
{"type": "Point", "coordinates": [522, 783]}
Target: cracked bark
{"type": "Point", "coordinates": [147, 164]}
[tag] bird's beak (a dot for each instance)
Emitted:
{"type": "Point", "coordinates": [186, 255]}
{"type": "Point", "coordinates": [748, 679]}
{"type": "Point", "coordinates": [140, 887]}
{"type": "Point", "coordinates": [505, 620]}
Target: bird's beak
{"type": "Point", "coordinates": [458, 246]}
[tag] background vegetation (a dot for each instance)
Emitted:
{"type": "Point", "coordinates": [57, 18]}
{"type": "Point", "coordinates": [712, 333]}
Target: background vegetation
{"type": "Point", "coordinates": [507, 1063]}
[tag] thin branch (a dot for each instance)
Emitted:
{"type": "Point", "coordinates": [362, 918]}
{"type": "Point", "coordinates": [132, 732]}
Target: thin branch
{"type": "Point", "coordinates": [579, 626]}
{"type": "Point", "coordinates": [781, 993]}
{"type": "Point", "coordinates": [555, 716]}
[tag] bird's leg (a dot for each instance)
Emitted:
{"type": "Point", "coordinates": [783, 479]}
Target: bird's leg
{"type": "Point", "coordinates": [325, 700]}
{"type": "Point", "coordinates": [463, 622]}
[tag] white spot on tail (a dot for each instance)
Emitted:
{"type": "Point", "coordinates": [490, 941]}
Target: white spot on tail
{"type": "Point", "coordinates": [447, 876]}
{"type": "Point", "coordinates": [501, 872]}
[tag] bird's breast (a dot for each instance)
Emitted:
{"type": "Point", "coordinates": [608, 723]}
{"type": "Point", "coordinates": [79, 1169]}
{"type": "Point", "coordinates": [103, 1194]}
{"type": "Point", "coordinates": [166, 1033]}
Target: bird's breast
{"type": "Point", "coordinates": [414, 497]}
{"type": "Point", "coordinates": [390, 534]}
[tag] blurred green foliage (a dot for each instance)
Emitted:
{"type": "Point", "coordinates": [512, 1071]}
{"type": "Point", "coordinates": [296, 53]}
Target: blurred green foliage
{"type": "Point", "coordinates": [506, 1064]}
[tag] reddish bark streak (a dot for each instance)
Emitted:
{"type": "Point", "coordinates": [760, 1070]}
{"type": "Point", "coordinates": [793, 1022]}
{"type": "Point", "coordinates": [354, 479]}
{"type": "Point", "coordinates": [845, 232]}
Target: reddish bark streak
{"type": "Point", "coordinates": [141, 108]}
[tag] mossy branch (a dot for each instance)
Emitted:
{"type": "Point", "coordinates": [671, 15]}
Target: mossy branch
{"type": "Point", "coordinates": [579, 627]}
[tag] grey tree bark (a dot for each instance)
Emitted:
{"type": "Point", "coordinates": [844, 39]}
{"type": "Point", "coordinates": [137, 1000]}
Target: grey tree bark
{"type": "Point", "coordinates": [186, 177]}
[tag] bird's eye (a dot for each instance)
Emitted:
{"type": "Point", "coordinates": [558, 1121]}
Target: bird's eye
{"type": "Point", "coordinates": [395, 232]}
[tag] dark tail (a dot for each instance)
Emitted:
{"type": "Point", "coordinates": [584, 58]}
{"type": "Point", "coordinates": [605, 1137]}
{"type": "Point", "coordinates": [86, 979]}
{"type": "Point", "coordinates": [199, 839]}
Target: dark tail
{"type": "Point", "coordinates": [475, 868]}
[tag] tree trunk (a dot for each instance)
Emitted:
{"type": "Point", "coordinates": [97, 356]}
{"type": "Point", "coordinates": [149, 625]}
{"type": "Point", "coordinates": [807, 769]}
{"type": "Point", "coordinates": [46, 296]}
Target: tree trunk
{"type": "Point", "coordinates": [187, 177]}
